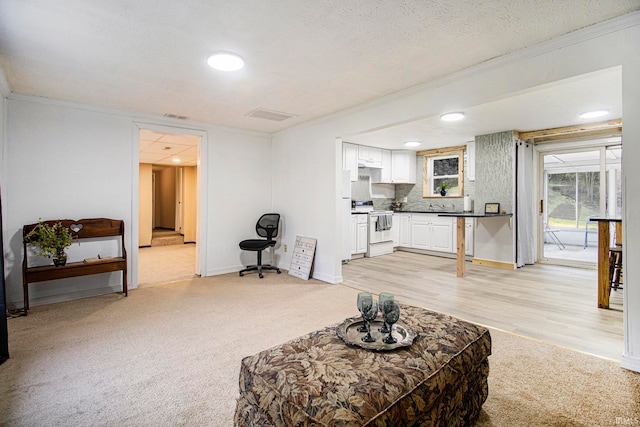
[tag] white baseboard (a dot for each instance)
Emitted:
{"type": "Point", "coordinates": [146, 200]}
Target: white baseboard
{"type": "Point", "coordinates": [630, 363]}
{"type": "Point", "coordinates": [116, 288]}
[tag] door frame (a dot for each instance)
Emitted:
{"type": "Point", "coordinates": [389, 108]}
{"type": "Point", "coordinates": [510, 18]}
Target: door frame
{"type": "Point", "coordinates": [561, 148]}
{"type": "Point", "coordinates": [201, 212]}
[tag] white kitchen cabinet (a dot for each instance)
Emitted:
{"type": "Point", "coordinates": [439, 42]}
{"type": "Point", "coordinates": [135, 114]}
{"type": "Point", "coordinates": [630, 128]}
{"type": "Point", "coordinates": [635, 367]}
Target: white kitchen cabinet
{"type": "Point", "coordinates": [350, 160]}
{"type": "Point", "coordinates": [420, 231]}
{"type": "Point", "coordinates": [403, 167]}
{"type": "Point", "coordinates": [395, 230]}
{"type": "Point", "coordinates": [383, 175]}
{"type": "Point", "coordinates": [442, 234]}
{"type": "Point", "coordinates": [353, 235]}
{"type": "Point", "coordinates": [370, 156]}
{"type": "Point", "coordinates": [405, 229]}
{"type": "Point", "coordinates": [359, 233]}
{"type": "Point", "coordinates": [468, 236]}
{"type": "Point", "coordinates": [431, 232]}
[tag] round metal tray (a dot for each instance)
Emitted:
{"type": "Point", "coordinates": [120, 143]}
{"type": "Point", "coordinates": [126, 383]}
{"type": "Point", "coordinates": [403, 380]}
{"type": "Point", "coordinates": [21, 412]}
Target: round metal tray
{"type": "Point", "coordinates": [348, 331]}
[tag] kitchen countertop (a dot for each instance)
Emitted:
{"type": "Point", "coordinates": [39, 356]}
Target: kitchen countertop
{"type": "Point", "coordinates": [472, 215]}
{"type": "Point", "coordinates": [457, 213]}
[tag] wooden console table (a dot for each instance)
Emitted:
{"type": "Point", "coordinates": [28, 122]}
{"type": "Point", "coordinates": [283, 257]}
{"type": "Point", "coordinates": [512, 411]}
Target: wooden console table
{"type": "Point", "coordinates": [80, 229]}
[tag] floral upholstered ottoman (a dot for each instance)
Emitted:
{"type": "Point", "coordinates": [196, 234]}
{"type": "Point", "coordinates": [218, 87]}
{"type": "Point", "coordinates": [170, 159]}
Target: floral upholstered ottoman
{"type": "Point", "coordinates": [318, 380]}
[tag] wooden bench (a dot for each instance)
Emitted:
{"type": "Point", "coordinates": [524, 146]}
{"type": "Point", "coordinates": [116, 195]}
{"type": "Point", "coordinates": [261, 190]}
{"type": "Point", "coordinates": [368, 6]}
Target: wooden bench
{"type": "Point", "coordinates": [80, 229]}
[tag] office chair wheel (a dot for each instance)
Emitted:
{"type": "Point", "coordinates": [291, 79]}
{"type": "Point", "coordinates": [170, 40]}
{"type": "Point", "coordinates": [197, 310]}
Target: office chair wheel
{"type": "Point", "coordinates": [279, 271]}
{"type": "Point", "coordinates": [241, 274]}
{"type": "Point", "coordinates": [261, 275]}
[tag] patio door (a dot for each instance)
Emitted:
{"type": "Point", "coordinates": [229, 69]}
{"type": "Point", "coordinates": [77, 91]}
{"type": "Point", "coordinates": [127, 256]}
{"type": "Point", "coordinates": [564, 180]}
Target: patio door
{"type": "Point", "coordinates": [576, 186]}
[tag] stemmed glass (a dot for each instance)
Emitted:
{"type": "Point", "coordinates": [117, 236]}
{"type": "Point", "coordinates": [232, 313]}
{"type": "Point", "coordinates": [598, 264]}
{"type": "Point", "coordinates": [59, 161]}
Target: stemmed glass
{"type": "Point", "coordinates": [364, 299]}
{"type": "Point", "coordinates": [369, 313]}
{"type": "Point", "coordinates": [390, 314]}
{"type": "Point", "coordinates": [384, 296]}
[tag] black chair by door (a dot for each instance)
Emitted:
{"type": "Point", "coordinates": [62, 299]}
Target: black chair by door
{"type": "Point", "coordinates": [267, 227]}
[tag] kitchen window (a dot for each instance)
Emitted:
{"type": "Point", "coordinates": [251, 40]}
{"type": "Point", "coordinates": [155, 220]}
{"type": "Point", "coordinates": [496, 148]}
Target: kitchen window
{"type": "Point", "coordinates": [443, 172]}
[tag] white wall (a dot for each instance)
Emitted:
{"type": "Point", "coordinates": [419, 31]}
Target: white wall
{"type": "Point", "coordinates": [72, 161]}
{"type": "Point", "coordinates": [304, 159]}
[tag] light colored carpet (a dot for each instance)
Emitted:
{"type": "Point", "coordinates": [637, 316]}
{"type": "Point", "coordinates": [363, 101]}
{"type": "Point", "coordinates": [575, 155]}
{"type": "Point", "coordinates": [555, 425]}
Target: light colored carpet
{"type": "Point", "coordinates": [170, 355]}
{"type": "Point", "coordinates": [166, 263]}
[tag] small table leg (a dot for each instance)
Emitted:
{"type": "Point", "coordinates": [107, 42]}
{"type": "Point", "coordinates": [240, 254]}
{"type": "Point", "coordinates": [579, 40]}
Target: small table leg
{"type": "Point", "coordinates": [603, 264]}
{"type": "Point", "coordinates": [460, 225]}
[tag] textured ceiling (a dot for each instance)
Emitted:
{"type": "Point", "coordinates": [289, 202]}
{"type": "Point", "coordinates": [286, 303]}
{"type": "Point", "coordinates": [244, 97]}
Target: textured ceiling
{"type": "Point", "coordinates": [307, 58]}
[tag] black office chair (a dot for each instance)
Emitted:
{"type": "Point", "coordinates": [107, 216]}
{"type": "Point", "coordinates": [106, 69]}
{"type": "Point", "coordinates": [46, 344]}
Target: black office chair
{"type": "Point", "coordinates": [267, 226]}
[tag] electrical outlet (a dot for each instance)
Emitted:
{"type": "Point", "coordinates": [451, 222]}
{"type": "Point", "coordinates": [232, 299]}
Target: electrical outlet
{"type": "Point", "coordinates": [286, 248]}
{"type": "Point", "coordinates": [404, 200]}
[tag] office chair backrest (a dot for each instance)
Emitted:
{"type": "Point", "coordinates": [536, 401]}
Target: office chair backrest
{"type": "Point", "coordinates": [267, 225]}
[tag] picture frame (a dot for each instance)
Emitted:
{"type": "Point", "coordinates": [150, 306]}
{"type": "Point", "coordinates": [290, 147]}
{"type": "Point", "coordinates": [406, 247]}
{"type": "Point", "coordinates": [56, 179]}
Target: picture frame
{"type": "Point", "coordinates": [492, 208]}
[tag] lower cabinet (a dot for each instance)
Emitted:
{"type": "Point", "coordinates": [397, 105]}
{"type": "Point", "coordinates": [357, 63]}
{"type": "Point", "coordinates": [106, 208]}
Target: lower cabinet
{"type": "Point", "coordinates": [404, 229]}
{"type": "Point", "coordinates": [359, 233]}
{"type": "Point", "coordinates": [468, 235]}
{"type": "Point", "coordinates": [432, 232]}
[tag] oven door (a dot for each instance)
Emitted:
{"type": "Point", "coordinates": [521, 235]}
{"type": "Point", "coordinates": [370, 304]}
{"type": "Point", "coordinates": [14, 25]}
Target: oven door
{"type": "Point", "coordinates": [378, 236]}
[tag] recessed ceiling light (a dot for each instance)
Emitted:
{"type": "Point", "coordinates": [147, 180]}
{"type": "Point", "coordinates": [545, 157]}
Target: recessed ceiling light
{"type": "Point", "coordinates": [452, 117]}
{"type": "Point", "coordinates": [412, 143]}
{"type": "Point", "coordinates": [592, 114]}
{"type": "Point", "coordinates": [175, 160]}
{"type": "Point", "coordinates": [225, 61]}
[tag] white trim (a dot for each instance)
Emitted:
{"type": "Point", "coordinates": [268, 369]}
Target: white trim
{"type": "Point", "coordinates": [135, 115]}
{"type": "Point", "coordinates": [631, 363]}
{"type": "Point", "coordinates": [201, 214]}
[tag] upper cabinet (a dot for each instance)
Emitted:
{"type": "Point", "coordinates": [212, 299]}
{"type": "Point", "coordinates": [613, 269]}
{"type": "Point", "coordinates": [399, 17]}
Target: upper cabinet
{"type": "Point", "coordinates": [398, 167]}
{"type": "Point", "coordinates": [403, 167]}
{"type": "Point", "coordinates": [350, 160]}
{"type": "Point", "coordinates": [387, 166]}
{"type": "Point", "coordinates": [369, 156]}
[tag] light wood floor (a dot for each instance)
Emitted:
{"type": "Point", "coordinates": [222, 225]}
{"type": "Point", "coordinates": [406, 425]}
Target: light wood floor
{"type": "Point", "coordinates": [550, 303]}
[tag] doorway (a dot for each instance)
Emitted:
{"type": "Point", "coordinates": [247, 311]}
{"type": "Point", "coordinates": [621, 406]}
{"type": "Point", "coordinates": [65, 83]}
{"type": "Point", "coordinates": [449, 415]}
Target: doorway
{"type": "Point", "coordinates": [577, 185]}
{"type": "Point", "coordinates": [168, 206]}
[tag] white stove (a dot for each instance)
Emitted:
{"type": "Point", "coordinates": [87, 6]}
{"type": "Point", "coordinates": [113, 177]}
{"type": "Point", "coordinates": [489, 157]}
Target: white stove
{"type": "Point", "coordinates": [380, 236]}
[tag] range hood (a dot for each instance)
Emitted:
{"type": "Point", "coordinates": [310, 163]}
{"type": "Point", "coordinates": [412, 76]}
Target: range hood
{"type": "Point", "coordinates": [364, 164]}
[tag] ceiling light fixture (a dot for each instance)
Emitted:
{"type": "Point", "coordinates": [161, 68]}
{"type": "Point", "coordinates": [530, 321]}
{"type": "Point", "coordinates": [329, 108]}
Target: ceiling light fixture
{"type": "Point", "coordinates": [412, 143]}
{"type": "Point", "coordinates": [175, 160]}
{"type": "Point", "coordinates": [225, 61]}
{"type": "Point", "coordinates": [593, 114]}
{"type": "Point", "coordinates": [452, 117]}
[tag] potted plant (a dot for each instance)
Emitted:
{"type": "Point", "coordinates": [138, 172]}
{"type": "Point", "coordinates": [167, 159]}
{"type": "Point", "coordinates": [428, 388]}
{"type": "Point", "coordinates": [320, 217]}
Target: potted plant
{"type": "Point", "coordinates": [443, 187]}
{"type": "Point", "coordinates": [50, 240]}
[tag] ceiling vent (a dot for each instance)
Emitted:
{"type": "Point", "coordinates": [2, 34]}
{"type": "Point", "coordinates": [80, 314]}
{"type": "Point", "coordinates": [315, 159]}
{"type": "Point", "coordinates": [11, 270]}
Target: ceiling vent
{"type": "Point", "coordinates": [175, 116]}
{"type": "Point", "coordinates": [277, 116]}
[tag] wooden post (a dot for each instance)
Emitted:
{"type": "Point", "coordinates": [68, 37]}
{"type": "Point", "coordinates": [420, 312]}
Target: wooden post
{"type": "Point", "coordinates": [603, 264]}
{"type": "Point", "coordinates": [460, 225]}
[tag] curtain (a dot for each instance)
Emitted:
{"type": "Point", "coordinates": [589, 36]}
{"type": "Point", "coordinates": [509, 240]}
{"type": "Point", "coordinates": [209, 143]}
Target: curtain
{"type": "Point", "coordinates": [4, 335]}
{"type": "Point", "coordinates": [525, 221]}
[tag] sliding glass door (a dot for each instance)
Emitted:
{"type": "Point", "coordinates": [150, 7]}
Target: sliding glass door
{"type": "Point", "coordinates": [577, 186]}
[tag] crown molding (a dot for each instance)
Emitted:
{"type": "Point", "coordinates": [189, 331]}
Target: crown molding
{"type": "Point", "coordinates": [135, 116]}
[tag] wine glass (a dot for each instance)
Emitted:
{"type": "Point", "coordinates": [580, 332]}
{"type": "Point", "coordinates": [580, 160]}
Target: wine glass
{"type": "Point", "coordinates": [369, 314]}
{"type": "Point", "coordinates": [384, 296]}
{"type": "Point", "coordinates": [364, 299]}
{"type": "Point", "coordinates": [390, 314]}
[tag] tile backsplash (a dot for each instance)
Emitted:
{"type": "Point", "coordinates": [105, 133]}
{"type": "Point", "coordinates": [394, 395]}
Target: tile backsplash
{"type": "Point", "coordinates": [360, 190]}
